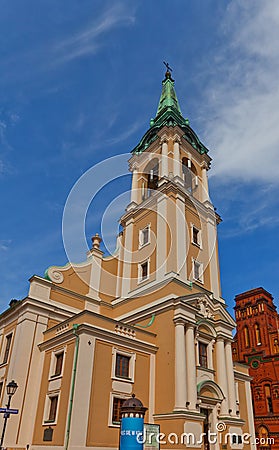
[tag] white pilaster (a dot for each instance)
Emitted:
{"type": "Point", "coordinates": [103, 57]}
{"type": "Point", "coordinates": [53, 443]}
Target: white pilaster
{"type": "Point", "coordinates": [230, 377]}
{"type": "Point", "coordinates": [213, 257]}
{"type": "Point", "coordinates": [152, 388]}
{"type": "Point", "coordinates": [26, 367]}
{"type": "Point", "coordinates": [181, 243]}
{"type": "Point", "coordinates": [250, 414]}
{"type": "Point", "coordinates": [222, 373]}
{"type": "Point", "coordinates": [161, 238]}
{"type": "Point", "coordinates": [204, 188]}
{"type": "Point", "coordinates": [127, 259]}
{"type": "Point", "coordinates": [134, 191]}
{"type": "Point", "coordinates": [191, 368]}
{"type": "Point", "coordinates": [164, 160]}
{"type": "Point", "coordinates": [180, 367]}
{"type": "Point", "coordinates": [95, 276]}
{"type": "Point", "coordinates": [210, 355]}
{"type": "Point", "coordinates": [176, 159]}
{"type": "Point", "coordinates": [81, 402]}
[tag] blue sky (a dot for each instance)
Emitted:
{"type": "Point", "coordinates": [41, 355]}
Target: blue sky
{"type": "Point", "coordinates": [79, 84]}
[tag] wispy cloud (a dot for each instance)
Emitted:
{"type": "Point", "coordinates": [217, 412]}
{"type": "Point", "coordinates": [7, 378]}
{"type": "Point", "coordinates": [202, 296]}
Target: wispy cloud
{"type": "Point", "coordinates": [87, 41]}
{"type": "Point", "coordinates": [5, 244]}
{"type": "Point", "coordinates": [243, 98]}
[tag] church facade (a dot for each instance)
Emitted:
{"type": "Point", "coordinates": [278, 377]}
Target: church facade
{"type": "Point", "coordinates": [148, 320]}
{"type": "Point", "coordinates": [257, 344]}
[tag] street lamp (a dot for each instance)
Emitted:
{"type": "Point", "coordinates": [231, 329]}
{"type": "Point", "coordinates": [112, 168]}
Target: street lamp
{"type": "Point", "coordinates": [11, 389]}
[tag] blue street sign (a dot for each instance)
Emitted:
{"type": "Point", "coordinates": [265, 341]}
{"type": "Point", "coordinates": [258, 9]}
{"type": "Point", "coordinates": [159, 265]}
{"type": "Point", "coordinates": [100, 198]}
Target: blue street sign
{"type": "Point", "coordinates": [8, 411]}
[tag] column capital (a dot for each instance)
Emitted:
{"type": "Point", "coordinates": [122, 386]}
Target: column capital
{"type": "Point", "coordinates": [205, 165]}
{"type": "Point", "coordinates": [177, 139]}
{"type": "Point", "coordinates": [164, 139]}
{"type": "Point", "coordinates": [190, 325]}
{"type": "Point", "coordinates": [179, 321]}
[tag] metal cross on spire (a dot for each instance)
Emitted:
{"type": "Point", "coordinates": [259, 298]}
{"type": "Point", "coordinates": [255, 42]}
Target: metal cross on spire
{"type": "Point", "coordinates": [167, 66]}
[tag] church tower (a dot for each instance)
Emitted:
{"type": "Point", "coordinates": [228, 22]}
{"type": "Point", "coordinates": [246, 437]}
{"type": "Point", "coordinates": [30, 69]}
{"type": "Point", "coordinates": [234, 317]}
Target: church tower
{"type": "Point", "coordinates": [148, 319]}
{"type": "Point", "coordinates": [169, 183]}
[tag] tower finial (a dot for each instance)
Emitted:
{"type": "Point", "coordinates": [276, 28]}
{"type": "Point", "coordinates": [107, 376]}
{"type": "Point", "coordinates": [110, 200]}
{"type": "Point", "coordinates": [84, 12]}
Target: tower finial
{"type": "Point", "coordinates": [168, 72]}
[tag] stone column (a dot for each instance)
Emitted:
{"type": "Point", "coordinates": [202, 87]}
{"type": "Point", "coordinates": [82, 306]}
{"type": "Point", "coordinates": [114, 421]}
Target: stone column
{"type": "Point", "coordinates": [164, 160]}
{"type": "Point", "coordinates": [180, 366]}
{"type": "Point", "coordinates": [176, 159]}
{"type": "Point", "coordinates": [134, 191]}
{"type": "Point", "coordinates": [222, 373]}
{"type": "Point", "coordinates": [230, 377]}
{"type": "Point", "coordinates": [191, 367]}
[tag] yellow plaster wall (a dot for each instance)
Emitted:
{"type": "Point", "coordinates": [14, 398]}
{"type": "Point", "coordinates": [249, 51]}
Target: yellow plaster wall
{"type": "Point", "coordinates": [60, 428]}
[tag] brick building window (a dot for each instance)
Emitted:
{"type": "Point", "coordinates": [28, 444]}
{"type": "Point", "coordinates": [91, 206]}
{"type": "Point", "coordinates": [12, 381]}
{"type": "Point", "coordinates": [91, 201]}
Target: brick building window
{"type": "Point", "coordinates": [268, 398]}
{"type": "Point", "coordinates": [246, 337]}
{"type": "Point", "coordinates": [258, 334]}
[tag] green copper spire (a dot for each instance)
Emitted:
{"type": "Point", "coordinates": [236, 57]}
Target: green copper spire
{"type": "Point", "coordinates": [169, 115]}
{"type": "Point", "coordinates": [168, 97]}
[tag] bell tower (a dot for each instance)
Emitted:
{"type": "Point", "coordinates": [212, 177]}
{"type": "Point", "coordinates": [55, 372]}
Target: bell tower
{"type": "Point", "coordinates": [170, 225]}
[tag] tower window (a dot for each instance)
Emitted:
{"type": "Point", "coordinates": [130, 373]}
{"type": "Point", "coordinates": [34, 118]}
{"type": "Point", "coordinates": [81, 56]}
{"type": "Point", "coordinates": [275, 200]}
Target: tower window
{"type": "Point", "coordinates": [258, 334]}
{"type": "Point", "coordinates": [268, 398]}
{"type": "Point", "coordinates": [246, 337]}
{"type": "Point", "coordinates": [202, 354]}
{"type": "Point", "coordinates": [144, 236]}
{"type": "Point", "coordinates": [144, 271]}
{"type": "Point", "coordinates": [198, 271]}
{"type": "Point", "coordinates": [196, 236]}
{"type": "Point", "coordinates": [189, 175]}
{"type": "Point", "coordinates": [122, 366]}
{"type": "Point", "coordinates": [151, 172]}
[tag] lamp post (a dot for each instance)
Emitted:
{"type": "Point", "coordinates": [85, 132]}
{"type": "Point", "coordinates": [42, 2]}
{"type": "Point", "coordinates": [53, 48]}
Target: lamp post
{"type": "Point", "coordinates": [11, 389]}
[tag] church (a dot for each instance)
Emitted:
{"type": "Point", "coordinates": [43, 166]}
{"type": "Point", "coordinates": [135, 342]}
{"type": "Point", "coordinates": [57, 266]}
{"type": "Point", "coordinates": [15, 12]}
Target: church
{"type": "Point", "coordinates": [147, 320]}
{"type": "Point", "coordinates": [256, 343]}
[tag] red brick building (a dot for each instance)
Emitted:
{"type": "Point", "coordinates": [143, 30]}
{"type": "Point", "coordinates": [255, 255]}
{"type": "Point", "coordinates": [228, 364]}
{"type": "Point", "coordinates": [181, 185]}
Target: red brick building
{"type": "Point", "coordinates": [257, 344]}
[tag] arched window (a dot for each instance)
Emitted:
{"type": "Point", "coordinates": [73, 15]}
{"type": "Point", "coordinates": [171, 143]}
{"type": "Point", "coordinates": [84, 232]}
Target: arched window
{"type": "Point", "coordinates": [263, 437]}
{"type": "Point", "coordinates": [189, 174]}
{"type": "Point", "coordinates": [246, 337]}
{"type": "Point", "coordinates": [257, 334]}
{"type": "Point", "coordinates": [268, 399]}
{"type": "Point", "coordinates": [152, 173]}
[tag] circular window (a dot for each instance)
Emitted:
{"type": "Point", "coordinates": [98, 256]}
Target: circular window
{"type": "Point", "coordinates": [255, 364]}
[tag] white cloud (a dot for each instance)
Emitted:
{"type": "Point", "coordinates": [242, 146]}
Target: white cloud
{"type": "Point", "coordinates": [87, 41]}
{"type": "Point", "coordinates": [243, 117]}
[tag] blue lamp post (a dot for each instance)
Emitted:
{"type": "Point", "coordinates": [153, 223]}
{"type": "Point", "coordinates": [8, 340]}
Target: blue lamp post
{"type": "Point", "coordinates": [132, 424]}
